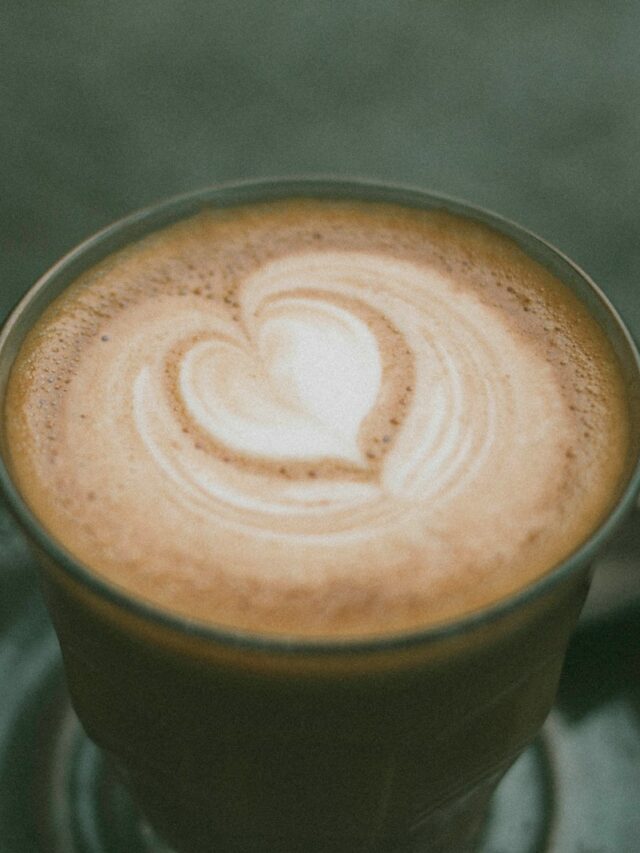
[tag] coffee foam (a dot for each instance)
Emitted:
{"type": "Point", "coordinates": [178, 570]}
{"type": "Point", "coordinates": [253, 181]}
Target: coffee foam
{"type": "Point", "coordinates": [318, 418]}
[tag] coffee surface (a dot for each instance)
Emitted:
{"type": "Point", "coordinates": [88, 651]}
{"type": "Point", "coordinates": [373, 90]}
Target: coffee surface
{"type": "Point", "coordinates": [318, 418]}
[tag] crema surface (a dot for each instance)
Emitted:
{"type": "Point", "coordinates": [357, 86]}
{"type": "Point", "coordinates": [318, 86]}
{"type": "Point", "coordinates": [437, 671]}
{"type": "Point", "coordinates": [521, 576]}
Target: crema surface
{"type": "Point", "coordinates": [318, 418]}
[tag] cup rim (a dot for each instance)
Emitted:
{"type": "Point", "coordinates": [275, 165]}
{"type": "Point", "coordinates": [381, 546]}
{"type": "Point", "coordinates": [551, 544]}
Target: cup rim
{"type": "Point", "coordinates": [153, 217]}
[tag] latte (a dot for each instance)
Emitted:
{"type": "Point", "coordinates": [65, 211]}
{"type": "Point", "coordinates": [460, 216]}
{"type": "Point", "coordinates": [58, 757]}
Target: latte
{"type": "Point", "coordinates": [318, 418]}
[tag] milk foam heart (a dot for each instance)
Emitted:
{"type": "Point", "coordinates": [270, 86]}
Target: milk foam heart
{"type": "Point", "coordinates": [298, 390]}
{"type": "Point", "coordinates": [295, 378]}
{"type": "Point", "coordinates": [319, 418]}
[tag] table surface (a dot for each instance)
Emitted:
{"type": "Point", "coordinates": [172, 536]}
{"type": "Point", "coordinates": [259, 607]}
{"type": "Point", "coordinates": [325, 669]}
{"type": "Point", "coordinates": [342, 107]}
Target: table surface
{"type": "Point", "coordinates": [529, 109]}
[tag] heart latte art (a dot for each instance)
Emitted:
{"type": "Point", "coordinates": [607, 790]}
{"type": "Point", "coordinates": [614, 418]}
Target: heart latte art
{"type": "Point", "coordinates": [331, 393]}
{"type": "Point", "coordinates": [318, 418]}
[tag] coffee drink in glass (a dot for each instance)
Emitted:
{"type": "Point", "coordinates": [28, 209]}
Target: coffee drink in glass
{"type": "Point", "coordinates": [316, 471]}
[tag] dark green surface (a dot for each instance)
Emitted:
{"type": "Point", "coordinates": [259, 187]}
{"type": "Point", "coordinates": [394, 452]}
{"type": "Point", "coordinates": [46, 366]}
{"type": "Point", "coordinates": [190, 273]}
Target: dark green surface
{"type": "Point", "coordinates": [532, 109]}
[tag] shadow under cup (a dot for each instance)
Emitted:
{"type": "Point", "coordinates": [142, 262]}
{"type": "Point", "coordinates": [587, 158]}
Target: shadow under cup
{"type": "Point", "coordinates": [236, 742]}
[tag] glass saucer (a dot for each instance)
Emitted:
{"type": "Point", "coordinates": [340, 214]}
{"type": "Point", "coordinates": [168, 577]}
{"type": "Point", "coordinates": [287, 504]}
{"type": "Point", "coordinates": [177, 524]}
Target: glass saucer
{"type": "Point", "coordinates": [575, 789]}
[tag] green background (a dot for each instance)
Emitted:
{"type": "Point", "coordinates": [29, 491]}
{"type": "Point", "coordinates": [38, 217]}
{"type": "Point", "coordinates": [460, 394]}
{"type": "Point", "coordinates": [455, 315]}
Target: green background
{"type": "Point", "coordinates": [529, 108]}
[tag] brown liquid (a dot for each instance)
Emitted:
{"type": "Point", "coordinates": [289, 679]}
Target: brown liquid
{"type": "Point", "coordinates": [319, 418]}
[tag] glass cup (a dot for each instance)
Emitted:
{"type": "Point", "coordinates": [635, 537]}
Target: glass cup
{"type": "Point", "coordinates": [234, 742]}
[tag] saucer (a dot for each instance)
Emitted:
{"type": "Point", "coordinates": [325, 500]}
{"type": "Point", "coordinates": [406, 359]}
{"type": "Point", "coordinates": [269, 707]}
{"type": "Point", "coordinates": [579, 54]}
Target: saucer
{"type": "Point", "coordinates": [577, 788]}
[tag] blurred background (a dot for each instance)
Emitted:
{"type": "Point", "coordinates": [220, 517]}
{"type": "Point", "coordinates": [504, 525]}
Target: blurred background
{"type": "Point", "coordinates": [531, 109]}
